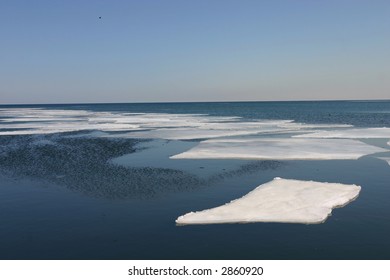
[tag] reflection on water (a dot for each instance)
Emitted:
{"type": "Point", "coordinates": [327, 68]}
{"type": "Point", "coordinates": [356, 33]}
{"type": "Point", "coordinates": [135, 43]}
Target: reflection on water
{"type": "Point", "coordinates": [83, 165]}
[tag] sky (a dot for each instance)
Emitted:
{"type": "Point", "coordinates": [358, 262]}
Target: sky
{"type": "Point", "coordinates": [193, 50]}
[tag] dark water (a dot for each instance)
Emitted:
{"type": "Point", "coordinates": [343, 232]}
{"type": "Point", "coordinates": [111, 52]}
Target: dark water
{"type": "Point", "coordinates": [67, 201]}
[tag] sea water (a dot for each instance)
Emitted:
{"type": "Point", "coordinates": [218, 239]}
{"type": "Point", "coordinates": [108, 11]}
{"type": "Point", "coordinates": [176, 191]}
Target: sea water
{"type": "Point", "coordinates": [77, 185]}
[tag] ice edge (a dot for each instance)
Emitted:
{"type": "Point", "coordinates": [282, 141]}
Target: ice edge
{"type": "Point", "coordinates": [180, 221]}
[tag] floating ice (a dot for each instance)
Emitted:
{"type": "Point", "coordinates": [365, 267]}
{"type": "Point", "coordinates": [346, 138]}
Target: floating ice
{"type": "Point", "coordinates": [156, 153]}
{"type": "Point", "coordinates": [19, 121]}
{"type": "Point", "coordinates": [190, 134]}
{"type": "Point", "coordinates": [294, 125]}
{"type": "Point", "coordinates": [373, 132]}
{"type": "Point", "coordinates": [280, 149]}
{"type": "Point", "coordinates": [207, 130]}
{"type": "Point", "coordinates": [281, 200]}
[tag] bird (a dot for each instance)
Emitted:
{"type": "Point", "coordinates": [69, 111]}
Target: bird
{"type": "Point", "coordinates": [100, 17]}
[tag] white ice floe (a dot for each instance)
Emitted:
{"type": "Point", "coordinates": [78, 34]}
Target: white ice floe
{"type": "Point", "coordinates": [207, 130]}
{"type": "Point", "coordinates": [195, 129]}
{"type": "Point", "coordinates": [294, 125]}
{"type": "Point", "coordinates": [19, 121]}
{"type": "Point", "coordinates": [279, 149]}
{"type": "Point", "coordinates": [281, 200]}
{"type": "Point", "coordinates": [373, 132]}
{"type": "Point", "coordinates": [190, 134]}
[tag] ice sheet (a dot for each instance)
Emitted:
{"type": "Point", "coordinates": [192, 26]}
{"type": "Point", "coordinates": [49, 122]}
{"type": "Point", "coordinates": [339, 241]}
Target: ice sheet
{"type": "Point", "coordinates": [190, 134]}
{"type": "Point", "coordinates": [373, 132]}
{"type": "Point", "coordinates": [43, 121]}
{"type": "Point", "coordinates": [207, 130]}
{"type": "Point", "coordinates": [294, 125]}
{"type": "Point", "coordinates": [280, 149]}
{"type": "Point", "coordinates": [19, 121]}
{"type": "Point", "coordinates": [281, 200]}
{"type": "Point", "coordinates": [156, 153]}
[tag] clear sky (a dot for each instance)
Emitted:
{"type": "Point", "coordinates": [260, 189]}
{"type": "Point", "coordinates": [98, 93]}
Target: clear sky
{"type": "Point", "coordinates": [201, 50]}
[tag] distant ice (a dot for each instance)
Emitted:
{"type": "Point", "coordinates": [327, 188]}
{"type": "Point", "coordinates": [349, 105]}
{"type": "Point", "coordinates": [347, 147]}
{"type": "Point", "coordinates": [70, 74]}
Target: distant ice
{"type": "Point", "coordinates": [22, 121]}
{"type": "Point", "coordinates": [279, 149]}
{"type": "Point", "coordinates": [374, 132]}
{"type": "Point", "coordinates": [28, 121]}
{"type": "Point", "coordinates": [281, 200]}
{"type": "Point", "coordinates": [294, 125]}
{"type": "Point", "coordinates": [190, 134]}
{"type": "Point", "coordinates": [207, 130]}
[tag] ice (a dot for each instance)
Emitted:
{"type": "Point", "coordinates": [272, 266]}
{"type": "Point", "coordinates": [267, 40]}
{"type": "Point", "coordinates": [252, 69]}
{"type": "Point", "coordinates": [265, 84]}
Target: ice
{"type": "Point", "coordinates": [190, 134]}
{"type": "Point", "coordinates": [373, 132]}
{"type": "Point", "coordinates": [279, 149]}
{"type": "Point", "coordinates": [156, 153]}
{"type": "Point", "coordinates": [207, 128]}
{"type": "Point", "coordinates": [19, 121]}
{"type": "Point", "coordinates": [280, 200]}
{"type": "Point", "coordinates": [294, 125]}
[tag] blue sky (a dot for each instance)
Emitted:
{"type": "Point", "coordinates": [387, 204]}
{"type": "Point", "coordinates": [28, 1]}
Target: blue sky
{"type": "Point", "coordinates": [162, 50]}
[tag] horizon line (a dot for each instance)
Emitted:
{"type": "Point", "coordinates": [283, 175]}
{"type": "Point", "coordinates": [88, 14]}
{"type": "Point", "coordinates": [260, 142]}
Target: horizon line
{"type": "Point", "coordinates": [181, 102]}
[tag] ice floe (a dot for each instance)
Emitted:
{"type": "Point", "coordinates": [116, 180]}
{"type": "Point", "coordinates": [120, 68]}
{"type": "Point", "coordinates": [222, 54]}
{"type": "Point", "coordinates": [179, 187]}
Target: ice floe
{"type": "Point", "coordinates": [372, 132]}
{"type": "Point", "coordinates": [190, 134]}
{"type": "Point", "coordinates": [22, 121]}
{"type": "Point", "coordinates": [281, 200]}
{"type": "Point", "coordinates": [280, 149]}
{"type": "Point", "coordinates": [156, 153]}
{"type": "Point", "coordinates": [294, 125]}
{"type": "Point", "coordinates": [207, 130]}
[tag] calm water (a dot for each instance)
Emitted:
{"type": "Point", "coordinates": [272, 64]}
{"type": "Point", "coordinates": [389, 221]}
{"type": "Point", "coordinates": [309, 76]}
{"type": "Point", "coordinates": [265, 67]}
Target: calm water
{"type": "Point", "coordinates": [69, 201]}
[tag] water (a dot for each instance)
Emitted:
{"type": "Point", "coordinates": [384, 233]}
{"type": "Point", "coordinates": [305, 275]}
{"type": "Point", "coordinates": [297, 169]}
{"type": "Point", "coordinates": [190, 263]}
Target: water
{"type": "Point", "coordinates": [61, 197]}
{"type": "Point", "coordinates": [358, 113]}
